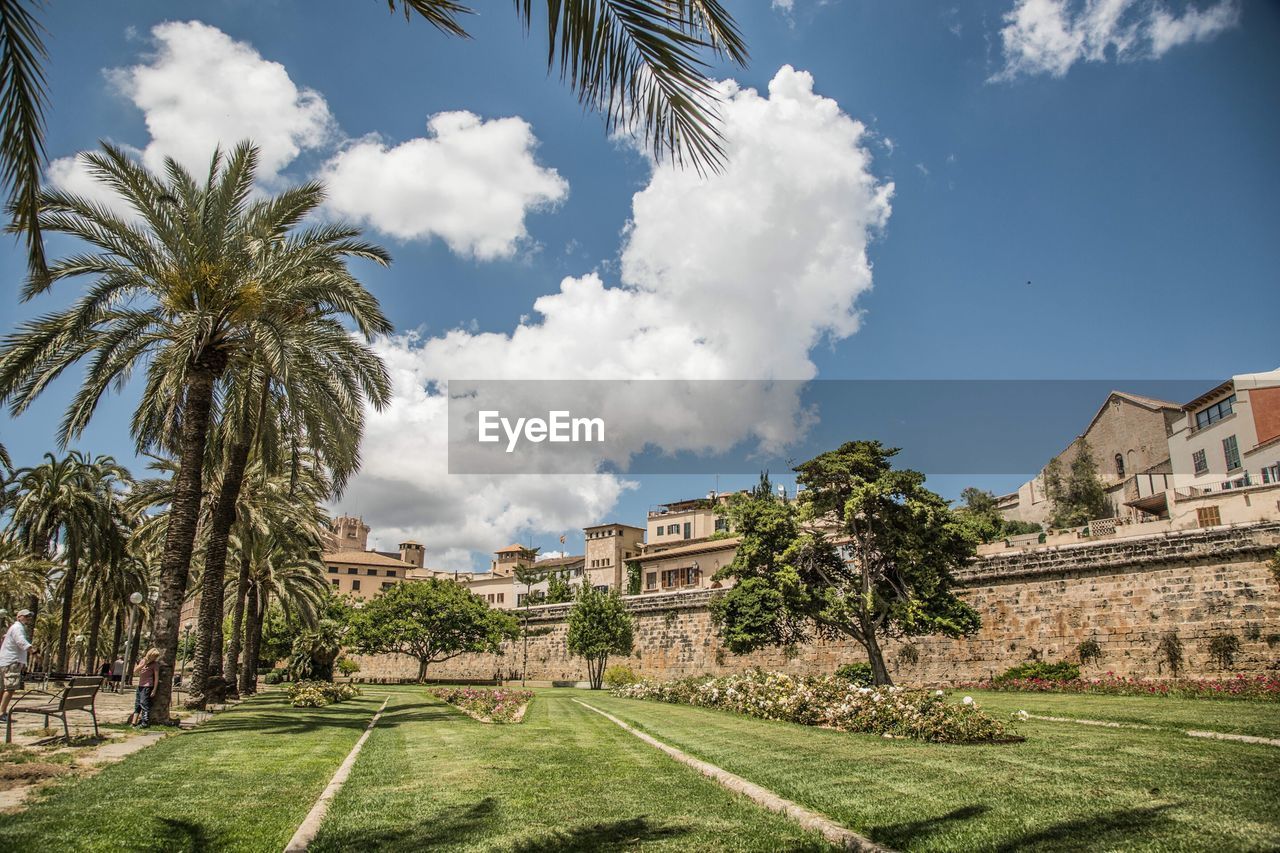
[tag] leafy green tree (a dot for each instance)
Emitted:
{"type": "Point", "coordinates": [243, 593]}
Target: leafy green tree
{"type": "Point", "coordinates": [979, 513]}
{"type": "Point", "coordinates": [901, 543]}
{"type": "Point", "coordinates": [558, 588]}
{"type": "Point", "coordinates": [1079, 497]}
{"type": "Point", "coordinates": [432, 620]}
{"type": "Point", "coordinates": [599, 626]}
{"type": "Point", "coordinates": [526, 575]}
{"type": "Point", "coordinates": [634, 579]}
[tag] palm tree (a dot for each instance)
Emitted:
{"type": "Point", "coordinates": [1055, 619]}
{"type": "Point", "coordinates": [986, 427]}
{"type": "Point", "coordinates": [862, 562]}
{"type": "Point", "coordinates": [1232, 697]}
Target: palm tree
{"type": "Point", "coordinates": [636, 61]}
{"type": "Point", "coordinates": [304, 386]}
{"type": "Point", "coordinates": [23, 576]}
{"type": "Point", "coordinates": [65, 507]}
{"type": "Point", "coordinates": [184, 292]}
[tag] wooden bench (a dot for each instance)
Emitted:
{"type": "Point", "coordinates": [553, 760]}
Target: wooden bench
{"type": "Point", "coordinates": [79, 695]}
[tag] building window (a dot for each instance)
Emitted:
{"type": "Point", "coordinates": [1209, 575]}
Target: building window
{"type": "Point", "coordinates": [371, 572]}
{"type": "Point", "coordinates": [333, 570]}
{"type": "Point", "coordinates": [391, 573]}
{"type": "Point", "coordinates": [387, 585]}
{"type": "Point", "coordinates": [1201, 461]}
{"type": "Point", "coordinates": [355, 586]}
{"type": "Point", "coordinates": [602, 587]}
{"type": "Point", "coordinates": [502, 597]}
{"type": "Point", "coordinates": [1208, 516]}
{"type": "Point", "coordinates": [722, 524]}
{"type": "Point", "coordinates": [688, 529]}
{"type": "Point", "coordinates": [692, 576]}
{"type": "Point", "coordinates": [1231, 451]}
{"type": "Point", "coordinates": [335, 582]}
{"type": "Point", "coordinates": [1272, 474]}
{"type": "Point", "coordinates": [1119, 465]}
{"type": "Point", "coordinates": [1215, 413]}
{"type": "Point", "coordinates": [673, 529]}
{"type": "Point", "coordinates": [491, 598]}
{"type": "Point", "coordinates": [651, 580]}
{"type": "Point", "coordinates": [353, 571]}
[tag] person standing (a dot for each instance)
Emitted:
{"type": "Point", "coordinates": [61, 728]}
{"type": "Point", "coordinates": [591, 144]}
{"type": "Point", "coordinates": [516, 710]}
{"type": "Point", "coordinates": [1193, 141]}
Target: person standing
{"type": "Point", "coordinates": [13, 658]}
{"type": "Point", "coordinates": [148, 671]}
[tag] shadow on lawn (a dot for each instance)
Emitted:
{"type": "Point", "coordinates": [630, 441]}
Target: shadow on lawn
{"type": "Point", "coordinates": [617, 835]}
{"type": "Point", "coordinates": [1112, 830]}
{"type": "Point", "coordinates": [173, 834]}
{"type": "Point", "coordinates": [452, 826]}
{"type": "Point", "coordinates": [902, 836]}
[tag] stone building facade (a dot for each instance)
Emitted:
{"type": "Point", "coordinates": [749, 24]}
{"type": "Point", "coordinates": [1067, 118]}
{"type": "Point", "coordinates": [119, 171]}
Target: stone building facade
{"type": "Point", "coordinates": [1035, 604]}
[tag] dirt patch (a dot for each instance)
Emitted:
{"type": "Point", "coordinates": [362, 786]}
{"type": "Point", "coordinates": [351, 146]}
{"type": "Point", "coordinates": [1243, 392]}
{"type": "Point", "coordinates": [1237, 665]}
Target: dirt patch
{"type": "Point", "coordinates": [28, 773]}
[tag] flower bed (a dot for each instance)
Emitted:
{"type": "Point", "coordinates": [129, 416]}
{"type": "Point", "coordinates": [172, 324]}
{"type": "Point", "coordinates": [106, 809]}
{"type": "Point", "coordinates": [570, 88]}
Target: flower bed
{"type": "Point", "coordinates": [831, 702]}
{"type": "Point", "coordinates": [487, 706]}
{"type": "Point", "coordinates": [317, 694]}
{"type": "Point", "coordinates": [1260, 687]}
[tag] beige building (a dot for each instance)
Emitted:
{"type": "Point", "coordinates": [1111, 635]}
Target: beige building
{"type": "Point", "coordinates": [364, 574]}
{"type": "Point", "coordinates": [685, 521]}
{"type": "Point", "coordinates": [1129, 440]}
{"type": "Point", "coordinates": [608, 548]}
{"type": "Point", "coordinates": [1229, 437]}
{"type": "Point", "coordinates": [685, 567]}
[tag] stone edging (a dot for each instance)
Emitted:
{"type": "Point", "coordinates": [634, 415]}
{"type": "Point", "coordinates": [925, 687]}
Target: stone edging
{"type": "Point", "coordinates": [311, 823]}
{"type": "Point", "coordinates": [838, 835]}
{"type": "Point", "coordinates": [1111, 724]}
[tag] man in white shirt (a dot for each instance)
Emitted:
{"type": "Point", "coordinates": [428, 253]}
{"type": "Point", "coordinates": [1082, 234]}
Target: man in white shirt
{"type": "Point", "coordinates": [13, 657]}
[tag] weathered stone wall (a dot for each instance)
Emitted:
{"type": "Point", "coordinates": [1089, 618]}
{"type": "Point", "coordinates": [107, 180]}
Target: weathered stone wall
{"type": "Point", "coordinates": [1124, 594]}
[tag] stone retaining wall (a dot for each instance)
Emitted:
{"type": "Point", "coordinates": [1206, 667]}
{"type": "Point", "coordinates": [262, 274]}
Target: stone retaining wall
{"type": "Point", "coordinates": [1036, 603]}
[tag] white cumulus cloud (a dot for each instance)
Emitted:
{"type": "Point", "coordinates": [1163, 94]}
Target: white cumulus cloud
{"type": "Point", "coordinates": [730, 276]}
{"type": "Point", "coordinates": [469, 182]}
{"type": "Point", "coordinates": [1050, 36]}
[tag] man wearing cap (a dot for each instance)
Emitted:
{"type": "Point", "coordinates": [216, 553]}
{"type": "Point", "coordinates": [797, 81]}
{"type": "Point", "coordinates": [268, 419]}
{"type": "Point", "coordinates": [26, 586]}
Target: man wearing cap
{"type": "Point", "coordinates": [13, 657]}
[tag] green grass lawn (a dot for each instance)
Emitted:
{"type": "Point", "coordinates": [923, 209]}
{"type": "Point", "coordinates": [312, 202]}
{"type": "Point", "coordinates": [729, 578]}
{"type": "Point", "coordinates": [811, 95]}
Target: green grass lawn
{"type": "Point", "coordinates": [565, 779]}
{"type": "Point", "coordinates": [1221, 715]}
{"type": "Point", "coordinates": [242, 781]}
{"type": "Point", "coordinates": [1068, 787]}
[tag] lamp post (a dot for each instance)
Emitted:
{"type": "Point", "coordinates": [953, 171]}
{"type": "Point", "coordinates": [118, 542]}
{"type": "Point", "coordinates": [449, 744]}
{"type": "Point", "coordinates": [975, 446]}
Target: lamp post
{"type": "Point", "coordinates": [126, 677]}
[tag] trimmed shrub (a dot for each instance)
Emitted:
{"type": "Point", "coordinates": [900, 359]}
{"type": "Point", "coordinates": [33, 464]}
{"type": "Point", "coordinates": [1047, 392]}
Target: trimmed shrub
{"type": "Point", "coordinates": [273, 676]}
{"type": "Point", "coordinates": [317, 694]}
{"type": "Point", "coordinates": [619, 675]}
{"type": "Point", "coordinates": [1041, 671]}
{"type": "Point", "coordinates": [1089, 651]}
{"type": "Point", "coordinates": [856, 673]}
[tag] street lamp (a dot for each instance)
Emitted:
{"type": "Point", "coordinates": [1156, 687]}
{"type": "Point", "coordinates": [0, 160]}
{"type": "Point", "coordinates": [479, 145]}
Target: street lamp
{"type": "Point", "coordinates": [126, 677]}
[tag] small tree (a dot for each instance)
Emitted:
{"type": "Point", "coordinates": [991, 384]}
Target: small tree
{"type": "Point", "coordinates": [558, 589]}
{"type": "Point", "coordinates": [432, 620]}
{"type": "Point", "coordinates": [526, 576]}
{"type": "Point", "coordinates": [1169, 651]}
{"type": "Point", "coordinates": [894, 579]}
{"type": "Point", "coordinates": [315, 650]}
{"type": "Point", "coordinates": [599, 626]}
{"type": "Point", "coordinates": [980, 514]}
{"type": "Point", "coordinates": [633, 577]}
{"type": "Point", "coordinates": [1079, 497]}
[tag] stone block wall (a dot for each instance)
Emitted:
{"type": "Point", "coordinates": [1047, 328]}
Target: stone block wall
{"type": "Point", "coordinates": [1035, 604]}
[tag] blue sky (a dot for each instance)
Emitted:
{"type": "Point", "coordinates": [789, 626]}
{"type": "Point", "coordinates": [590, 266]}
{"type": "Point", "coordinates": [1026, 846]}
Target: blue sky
{"type": "Point", "coordinates": [1073, 196]}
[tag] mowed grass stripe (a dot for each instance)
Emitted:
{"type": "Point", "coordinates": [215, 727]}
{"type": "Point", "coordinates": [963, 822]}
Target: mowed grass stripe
{"type": "Point", "coordinates": [432, 778]}
{"type": "Point", "coordinates": [243, 781]}
{"type": "Point", "coordinates": [1067, 787]}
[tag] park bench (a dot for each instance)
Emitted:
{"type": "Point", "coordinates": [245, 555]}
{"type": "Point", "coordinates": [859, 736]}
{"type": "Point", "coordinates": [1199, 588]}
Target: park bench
{"type": "Point", "coordinates": [79, 695]}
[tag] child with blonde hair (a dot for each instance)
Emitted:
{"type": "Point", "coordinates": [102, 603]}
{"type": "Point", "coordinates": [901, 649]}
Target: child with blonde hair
{"type": "Point", "coordinates": [148, 672]}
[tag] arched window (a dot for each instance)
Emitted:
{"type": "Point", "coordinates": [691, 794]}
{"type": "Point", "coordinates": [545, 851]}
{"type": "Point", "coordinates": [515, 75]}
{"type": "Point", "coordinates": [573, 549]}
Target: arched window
{"type": "Point", "coordinates": [1119, 465]}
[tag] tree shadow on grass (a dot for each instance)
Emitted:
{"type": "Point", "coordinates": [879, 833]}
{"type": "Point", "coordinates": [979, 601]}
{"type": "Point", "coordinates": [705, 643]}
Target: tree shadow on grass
{"type": "Point", "coordinates": [171, 835]}
{"type": "Point", "coordinates": [1113, 830]}
{"type": "Point", "coordinates": [615, 835]}
{"type": "Point", "coordinates": [902, 836]}
{"type": "Point", "coordinates": [452, 826]}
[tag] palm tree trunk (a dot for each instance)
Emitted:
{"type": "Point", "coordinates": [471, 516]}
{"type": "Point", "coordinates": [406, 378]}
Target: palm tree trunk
{"type": "Point", "coordinates": [134, 651]}
{"type": "Point", "coordinates": [117, 635]}
{"type": "Point", "coordinates": [237, 623]}
{"type": "Point", "coordinates": [215, 562]}
{"type": "Point", "coordinates": [263, 606]}
{"type": "Point", "coordinates": [69, 588]}
{"type": "Point", "coordinates": [95, 628]}
{"type": "Point", "coordinates": [184, 512]}
{"type": "Point", "coordinates": [250, 664]}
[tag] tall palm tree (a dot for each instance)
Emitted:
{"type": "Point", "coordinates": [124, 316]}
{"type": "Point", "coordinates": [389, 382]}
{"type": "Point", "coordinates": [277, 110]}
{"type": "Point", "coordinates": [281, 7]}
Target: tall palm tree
{"type": "Point", "coordinates": [313, 379]}
{"type": "Point", "coordinates": [23, 576]}
{"type": "Point", "coordinates": [64, 507]}
{"type": "Point", "coordinates": [180, 291]}
{"type": "Point", "coordinates": [639, 62]}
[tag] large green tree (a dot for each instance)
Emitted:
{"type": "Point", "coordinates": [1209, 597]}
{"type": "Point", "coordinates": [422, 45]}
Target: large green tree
{"type": "Point", "coordinates": [1078, 496]}
{"type": "Point", "coordinates": [599, 626]}
{"type": "Point", "coordinates": [867, 553]}
{"type": "Point", "coordinates": [180, 291]}
{"type": "Point", "coordinates": [432, 620]}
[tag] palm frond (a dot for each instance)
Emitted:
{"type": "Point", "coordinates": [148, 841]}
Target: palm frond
{"type": "Point", "coordinates": [22, 103]}
{"type": "Point", "coordinates": [441, 14]}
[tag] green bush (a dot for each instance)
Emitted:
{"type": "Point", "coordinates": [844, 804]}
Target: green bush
{"type": "Point", "coordinates": [346, 666]}
{"type": "Point", "coordinates": [273, 676]}
{"type": "Point", "coordinates": [856, 673]}
{"type": "Point", "coordinates": [317, 694]}
{"type": "Point", "coordinates": [1089, 651]}
{"type": "Point", "coordinates": [1042, 671]}
{"type": "Point", "coordinates": [619, 675]}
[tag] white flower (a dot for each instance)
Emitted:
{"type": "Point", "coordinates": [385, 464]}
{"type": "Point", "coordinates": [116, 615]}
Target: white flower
{"type": "Point", "coordinates": [968, 700]}
{"type": "Point", "coordinates": [937, 693]}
